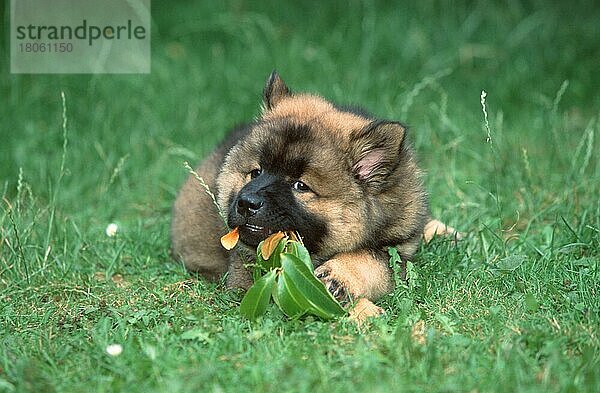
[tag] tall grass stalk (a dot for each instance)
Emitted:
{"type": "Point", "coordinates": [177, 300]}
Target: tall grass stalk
{"type": "Point", "coordinates": [208, 192]}
{"type": "Point", "coordinates": [494, 158]}
{"type": "Point", "coordinates": [19, 246]}
{"type": "Point", "coordinates": [61, 173]}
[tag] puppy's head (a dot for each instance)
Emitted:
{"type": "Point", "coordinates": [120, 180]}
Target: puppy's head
{"type": "Point", "coordinates": [309, 166]}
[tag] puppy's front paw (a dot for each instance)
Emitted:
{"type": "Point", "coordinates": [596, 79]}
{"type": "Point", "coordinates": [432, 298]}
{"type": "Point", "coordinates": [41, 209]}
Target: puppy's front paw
{"type": "Point", "coordinates": [363, 310]}
{"type": "Point", "coordinates": [355, 275]}
{"type": "Point", "coordinates": [334, 285]}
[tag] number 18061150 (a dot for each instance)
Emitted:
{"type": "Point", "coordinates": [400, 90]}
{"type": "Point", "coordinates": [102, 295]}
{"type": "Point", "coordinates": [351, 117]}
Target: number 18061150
{"type": "Point", "coordinates": [41, 47]}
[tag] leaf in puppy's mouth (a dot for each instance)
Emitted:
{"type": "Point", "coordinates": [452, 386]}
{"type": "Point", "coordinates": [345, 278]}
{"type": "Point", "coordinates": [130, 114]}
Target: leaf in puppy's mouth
{"type": "Point", "coordinates": [270, 244]}
{"type": "Point", "coordinates": [229, 240]}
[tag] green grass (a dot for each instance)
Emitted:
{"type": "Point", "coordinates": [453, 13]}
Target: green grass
{"type": "Point", "coordinates": [514, 307]}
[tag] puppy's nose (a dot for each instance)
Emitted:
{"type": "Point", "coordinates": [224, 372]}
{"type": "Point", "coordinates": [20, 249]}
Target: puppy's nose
{"type": "Point", "coordinates": [249, 204]}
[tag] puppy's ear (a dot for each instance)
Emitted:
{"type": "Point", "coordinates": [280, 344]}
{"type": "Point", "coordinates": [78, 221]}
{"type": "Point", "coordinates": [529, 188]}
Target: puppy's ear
{"type": "Point", "coordinates": [375, 151]}
{"type": "Point", "coordinates": [275, 90]}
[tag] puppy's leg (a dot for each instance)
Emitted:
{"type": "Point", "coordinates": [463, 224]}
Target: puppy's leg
{"type": "Point", "coordinates": [361, 275]}
{"type": "Point", "coordinates": [437, 228]}
{"type": "Point", "coordinates": [238, 275]}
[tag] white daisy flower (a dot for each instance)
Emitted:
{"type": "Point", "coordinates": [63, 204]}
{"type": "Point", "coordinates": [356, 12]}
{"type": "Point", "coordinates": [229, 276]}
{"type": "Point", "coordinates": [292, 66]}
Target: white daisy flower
{"type": "Point", "coordinates": [114, 349]}
{"type": "Point", "coordinates": [111, 229]}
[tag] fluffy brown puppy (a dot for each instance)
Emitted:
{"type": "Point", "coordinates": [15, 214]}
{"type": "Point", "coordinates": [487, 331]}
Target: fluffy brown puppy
{"type": "Point", "coordinates": [347, 182]}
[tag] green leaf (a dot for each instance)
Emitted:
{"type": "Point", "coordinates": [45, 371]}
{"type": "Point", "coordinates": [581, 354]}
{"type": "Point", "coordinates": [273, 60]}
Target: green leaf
{"type": "Point", "coordinates": [197, 334]}
{"type": "Point", "coordinates": [446, 322]}
{"type": "Point", "coordinates": [531, 302]}
{"type": "Point", "coordinates": [257, 271]}
{"type": "Point", "coordinates": [395, 263]}
{"type": "Point", "coordinates": [321, 302]}
{"type": "Point", "coordinates": [298, 249]}
{"type": "Point", "coordinates": [288, 298]}
{"type": "Point", "coordinates": [255, 302]}
{"type": "Point", "coordinates": [394, 256]}
{"type": "Point", "coordinates": [510, 263]}
{"type": "Point", "coordinates": [412, 276]}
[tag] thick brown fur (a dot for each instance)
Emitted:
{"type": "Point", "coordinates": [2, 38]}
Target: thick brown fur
{"type": "Point", "coordinates": [365, 193]}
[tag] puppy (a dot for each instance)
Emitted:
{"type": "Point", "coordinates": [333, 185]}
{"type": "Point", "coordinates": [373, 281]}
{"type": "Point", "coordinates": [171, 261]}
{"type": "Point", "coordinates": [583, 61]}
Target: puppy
{"type": "Point", "coordinates": [346, 181]}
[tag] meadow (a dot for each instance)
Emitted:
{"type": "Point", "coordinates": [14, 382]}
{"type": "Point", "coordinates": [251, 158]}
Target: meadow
{"type": "Point", "coordinates": [514, 307]}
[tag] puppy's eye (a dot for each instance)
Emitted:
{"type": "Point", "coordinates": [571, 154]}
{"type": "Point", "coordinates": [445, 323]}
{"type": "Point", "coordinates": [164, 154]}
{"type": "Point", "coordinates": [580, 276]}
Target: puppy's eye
{"type": "Point", "coordinates": [300, 186]}
{"type": "Point", "coordinates": [255, 173]}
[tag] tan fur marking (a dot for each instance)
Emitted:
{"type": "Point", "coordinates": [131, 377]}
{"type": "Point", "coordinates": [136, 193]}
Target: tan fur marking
{"type": "Point", "coordinates": [231, 180]}
{"type": "Point", "coordinates": [306, 108]}
{"type": "Point", "coordinates": [345, 223]}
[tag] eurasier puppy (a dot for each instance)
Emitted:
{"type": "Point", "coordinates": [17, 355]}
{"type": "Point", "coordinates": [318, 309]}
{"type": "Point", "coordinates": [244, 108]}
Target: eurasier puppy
{"type": "Point", "coordinates": [346, 182]}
